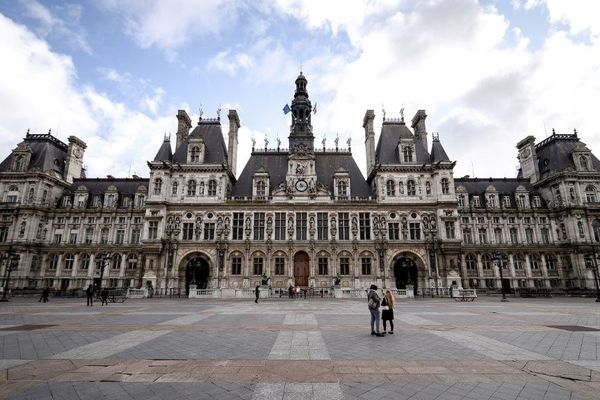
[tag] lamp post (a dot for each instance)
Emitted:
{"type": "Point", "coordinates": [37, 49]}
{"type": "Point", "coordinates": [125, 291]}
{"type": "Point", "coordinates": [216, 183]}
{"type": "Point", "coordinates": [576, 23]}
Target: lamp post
{"type": "Point", "coordinates": [104, 261]}
{"type": "Point", "coordinates": [499, 260]}
{"type": "Point", "coordinates": [221, 248]}
{"type": "Point", "coordinates": [172, 230]}
{"type": "Point", "coordinates": [11, 261]}
{"type": "Point", "coordinates": [380, 244]}
{"type": "Point", "coordinates": [594, 268]}
{"type": "Point", "coordinates": [431, 234]}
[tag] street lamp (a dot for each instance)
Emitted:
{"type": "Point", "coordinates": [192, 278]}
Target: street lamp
{"type": "Point", "coordinates": [431, 234]}
{"type": "Point", "coordinates": [11, 260]}
{"type": "Point", "coordinates": [221, 248]}
{"type": "Point", "coordinates": [499, 261]}
{"type": "Point", "coordinates": [380, 244]}
{"type": "Point", "coordinates": [594, 268]}
{"type": "Point", "coordinates": [104, 261]}
{"type": "Point", "coordinates": [172, 230]}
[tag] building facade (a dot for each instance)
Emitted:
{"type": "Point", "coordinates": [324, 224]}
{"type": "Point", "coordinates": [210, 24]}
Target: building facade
{"type": "Point", "coordinates": [302, 215]}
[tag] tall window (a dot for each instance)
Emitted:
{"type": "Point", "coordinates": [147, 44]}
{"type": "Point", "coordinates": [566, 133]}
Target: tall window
{"type": "Point", "coordinates": [261, 190]}
{"type": "Point", "coordinates": [52, 261]}
{"type": "Point", "coordinates": [364, 221]}
{"type": "Point", "coordinates": [590, 194]}
{"type": "Point", "coordinates": [209, 231]}
{"type": "Point", "coordinates": [486, 262]}
{"type": "Point", "coordinates": [344, 266]}
{"type": "Point", "coordinates": [408, 154]}
{"type": "Point", "coordinates": [551, 263]}
{"type": "Point", "coordinates": [195, 154]}
{"type": "Point", "coordinates": [116, 261]}
{"type": "Point", "coordinates": [415, 230]}
{"type": "Point", "coordinates": [514, 236]}
{"type": "Point", "coordinates": [391, 188]}
{"type": "Point", "coordinates": [152, 229]}
{"type": "Point", "coordinates": [445, 186]}
{"type": "Point", "coordinates": [498, 235]}
{"type": "Point", "coordinates": [450, 230]}
{"type": "Point", "coordinates": [461, 201]}
{"type": "Point", "coordinates": [342, 189]}
{"type": "Point", "coordinates": [135, 236]}
{"type": "Point", "coordinates": [529, 235]}
{"type": "Point", "coordinates": [280, 226]}
{"type": "Point", "coordinates": [157, 186]}
{"type": "Point", "coordinates": [519, 262]}
{"type": "Point", "coordinates": [259, 226]}
{"type": "Point", "coordinates": [471, 263]}
{"type": "Point", "coordinates": [212, 187]}
{"type": "Point", "coordinates": [69, 260]}
{"type": "Point", "coordinates": [322, 227]}
{"type": "Point", "coordinates": [521, 200]}
{"type": "Point", "coordinates": [506, 201]}
{"type": "Point", "coordinates": [174, 188]}
{"type": "Point", "coordinates": [73, 238]}
{"type": "Point", "coordinates": [258, 265]}
{"type": "Point", "coordinates": [545, 235]}
{"type": "Point", "coordinates": [191, 189]}
{"type": "Point", "coordinates": [279, 265]}
{"type": "Point", "coordinates": [236, 266]}
{"type": "Point", "coordinates": [84, 262]}
{"type": "Point", "coordinates": [483, 236]}
{"type": "Point", "coordinates": [323, 265]}
{"type": "Point", "coordinates": [300, 226]}
{"type": "Point", "coordinates": [344, 226]}
{"type": "Point", "coordinates": [120, 237]}
{"type": "Point", "coordinates": [188, 231]}
{"type": "Point", "coordinates": [238, 226]}
{"type": "Point", "coordinates": [534, 261]}
{"type": "Point", "coordinates": [104, 236]}
{"type": "Point", "coordinates": [3, 234]}
{"type": "Point", "coordinates": [410, 188]}
{"type": "Point", "coordinates": [132, 262]}
{"type": "Point", "coordinates": [491, 203]}
{"type": "Point", "coordinates": [467, 236]}
{"type": "Point", "coordinates": [365, 264]}
{"type": "Point", "coordinates": [394, 231]}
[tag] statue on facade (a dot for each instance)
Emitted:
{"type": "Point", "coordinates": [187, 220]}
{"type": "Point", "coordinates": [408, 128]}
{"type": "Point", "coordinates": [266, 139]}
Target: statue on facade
{"type": "Point", "coordinates": [338, 279]}
{"type": "Point", "coordinates": [265, 279]}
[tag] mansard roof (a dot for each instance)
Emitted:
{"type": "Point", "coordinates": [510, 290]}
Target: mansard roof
{"type": "Point", "coordinates": [47, 153]}
{"type": "Point", "coordinates": [387, 145]}
{"type": "Point", "coordinates": [555, 154]}
{"type": "Point", "coordinates": [215, 150]}
{"type": "Point", "coordinates": [326, 164]}
{"type": "Point", "coordinates": [437, 151]}
{"type": "Point", "coordinates": [502, 185]}
{"type": "Point", "coordinates": [96, 186]}
{"type": "Point", "coordinates": [164, 153]}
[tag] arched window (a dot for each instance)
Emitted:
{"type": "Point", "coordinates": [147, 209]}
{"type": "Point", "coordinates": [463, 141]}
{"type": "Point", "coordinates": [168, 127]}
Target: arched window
{"type": "Point", "coordinates": [174, 188]}
{"type": "Point", "coordinates": [212, 187]}
{"type": "Point", "coordinates": [261, 190]}
{"type": "Point", "coordinates": [408, 154]}
{"type": "Point", "coordinates": [342, 188]}
{"type": "Point", "coordinates": [590, 194]}
{"type": "Point", "coordinates": [69, 260]}
{"type": "Point", "coordinates": [157, 186]}
{"type": "Point", "coordinates": [471, 263]}
{"type": "Point", "coordinates": [191, 190]}
{"type": "Point", "coordinates": [445, 186]}
{"type": "Point", "coordinates": [410, 188]}
{"type": "Point", "coordinates": [195, 154]}
{"type": "Point", "coordinates": [486, 262]}
{"type": "Point", "coordinates": [84, 261]}
{"type": "Point", "coordinates": [390, 188]}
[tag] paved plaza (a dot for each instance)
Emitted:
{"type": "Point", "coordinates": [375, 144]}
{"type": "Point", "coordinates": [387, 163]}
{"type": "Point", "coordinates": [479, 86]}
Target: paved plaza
{"type": "Point", "coordinates": [299, 349]}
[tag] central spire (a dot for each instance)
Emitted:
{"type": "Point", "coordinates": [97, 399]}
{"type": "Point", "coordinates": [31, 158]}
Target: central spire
{"type": "Point", "coordinates": [301, 129]}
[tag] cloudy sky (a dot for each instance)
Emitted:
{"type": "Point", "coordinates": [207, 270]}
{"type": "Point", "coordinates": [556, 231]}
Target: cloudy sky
{"type": "Point", "coordinates": [114, 73]}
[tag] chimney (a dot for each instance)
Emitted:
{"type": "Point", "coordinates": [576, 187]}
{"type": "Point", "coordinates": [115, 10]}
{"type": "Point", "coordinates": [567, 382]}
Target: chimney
{"type": "Point", "coordinates": [528, 159]}
{"type": "Point", "coordinates": [74, 164]}
{"type": "Point", "coordinates": [184, 124]}
{"type": "Point", "coordinates": [369, 139]}
{"type": "Point", "coordinates": [234, 125]}
{"type": "Point", "coordinates": [418, 125]}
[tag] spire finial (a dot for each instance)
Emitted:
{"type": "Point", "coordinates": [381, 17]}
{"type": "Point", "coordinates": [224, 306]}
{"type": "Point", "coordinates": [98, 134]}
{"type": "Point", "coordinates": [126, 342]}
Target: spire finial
{"type": "Point", "coordinates": [402, 113]}
{"type": "Point", "coordinates": [336, 140]}
{"type": "Point", "coordinates": [278, 142]}
{"type": "Point", "coordinates": [219, 113]}
{"type": "Point", "coordinates": [349, 142]}
{"type": "Point", "coordinates": [575, 132]}
{"type": "Point", "coordinates": [27, 131]}
{"type": "Point", "coordinates": [553, 131]}
{"type": "Point", "coordinates": [253, 142]}
{"type": "Point", "coordinates": [324, 141]}
{"type": "Point", "coordinates": [50, 131]}
{"type": "Point", "coordinates": [200, 113]}
{"type": "Point", "coordinates": [266, 142]}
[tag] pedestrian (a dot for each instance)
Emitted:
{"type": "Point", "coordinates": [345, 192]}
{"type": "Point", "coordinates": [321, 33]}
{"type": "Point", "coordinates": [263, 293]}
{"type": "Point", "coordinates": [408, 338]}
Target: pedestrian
{"type": "Point", "coordinates": [290, 294]}
{"type": "Point", "coordinates": [45, 294]}
{"type": "Point", "coordinates": [89, 293]}
{"type": "Point", "coordinates": [257, 293]}
{"type": "Point", "coordinates": [374, 302]}
{"type": "Point", "coordinates": [104, 296]}
{"type": "Point", "coordinates": [387, 312]}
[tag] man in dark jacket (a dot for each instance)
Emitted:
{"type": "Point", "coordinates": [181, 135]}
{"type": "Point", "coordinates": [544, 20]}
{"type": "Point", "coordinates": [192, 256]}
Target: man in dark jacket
{"type": "Point", "coordinates": [257, 293]}
{"type": "Point", "coordinates": [374, 302]}
{"type": "Point", "coordinates": [89, 293]}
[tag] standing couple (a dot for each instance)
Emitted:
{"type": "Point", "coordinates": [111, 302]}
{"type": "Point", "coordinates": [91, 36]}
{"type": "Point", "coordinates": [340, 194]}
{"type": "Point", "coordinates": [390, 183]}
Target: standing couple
{"type": "Point", "coordinates": [387, 306]}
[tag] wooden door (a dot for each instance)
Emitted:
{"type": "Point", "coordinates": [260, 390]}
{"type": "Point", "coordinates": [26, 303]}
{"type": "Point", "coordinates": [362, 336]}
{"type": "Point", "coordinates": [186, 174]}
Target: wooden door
{"type": "Point", "coordinates": [301, 269]}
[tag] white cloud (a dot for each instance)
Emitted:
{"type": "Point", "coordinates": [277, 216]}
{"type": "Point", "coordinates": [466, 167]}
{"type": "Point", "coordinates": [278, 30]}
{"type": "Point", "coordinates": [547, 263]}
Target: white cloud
{"type": "Point", "coordinates": [230, 63]}
{"type": "Point", "coordinates": [151, 103]}
{"type": "Point", "coordinates": [39, 90]}
{"type": "Point", "coordinates": [67, 29]}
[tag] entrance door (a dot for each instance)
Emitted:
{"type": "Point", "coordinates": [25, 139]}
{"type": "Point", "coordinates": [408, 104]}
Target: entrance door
{"type": "Point", "coordinates": [405, 271]}
{"type": "Point", "coordinates": [301, 268]}
{"type": "Point", "coordinates": [196, 273]}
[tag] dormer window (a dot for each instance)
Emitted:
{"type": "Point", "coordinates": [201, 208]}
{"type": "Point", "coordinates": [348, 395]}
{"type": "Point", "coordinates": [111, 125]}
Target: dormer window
{"type": "Point", "coordinates": [521, 201]}
{"type": "Point", "coordinates": [408, 154]}
{"type": "Point", "coordinates": [461, 201]}
{"type": "Point", "coordinates": [19, 163]}
{"type": "Point", "coordinates": [492, 201]}
{"type": "Point", "coordinates": [410, 188]}
{"type": "Point", "coordinates": [390, 188]}
{"type": "Point", "coordinates": [445, 186]}
{"type": "Point", "coordinates": [506, 201]}
{"type": "Point", "coordinates": [157, 186]}
{"type": "Point", "coordinates": [195, 154]}
{"type": "Point", "coordinates": [590, 194]}
{"type": "Point", "coordinates": [212, 187]}
{"type": "Point", "coordinates": [342, 189]}
{"type": "Point", "coordinates": [475, 201]}
{"type": "Point", "coordinates": [261, 190]}
{"type": "Point", "coordinates": [583, 163]}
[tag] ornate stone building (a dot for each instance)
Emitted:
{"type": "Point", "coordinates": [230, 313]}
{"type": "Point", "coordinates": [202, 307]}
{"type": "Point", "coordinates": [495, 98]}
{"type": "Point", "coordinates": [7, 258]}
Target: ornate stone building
{"type": "Point", "coordinates": [303, 215]}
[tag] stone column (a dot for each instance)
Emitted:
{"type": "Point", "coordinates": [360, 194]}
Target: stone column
{"type": "Point", "coordinates": [545, 272]}
{"type": "Point", "coordinates": [481, 279]}
{"type": "Point", "coordinates": [528, 271]}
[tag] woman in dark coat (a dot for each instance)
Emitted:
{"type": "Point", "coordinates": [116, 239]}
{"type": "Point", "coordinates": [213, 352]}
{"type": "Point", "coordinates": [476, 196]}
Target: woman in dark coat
{"type": "Point", "coordinates": [388, 314]}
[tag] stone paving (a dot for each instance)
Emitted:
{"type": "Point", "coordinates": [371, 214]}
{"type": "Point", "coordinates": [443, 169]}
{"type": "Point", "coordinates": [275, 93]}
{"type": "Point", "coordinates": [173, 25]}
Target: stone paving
{"type": "Point", "coordinates": [299, 349]}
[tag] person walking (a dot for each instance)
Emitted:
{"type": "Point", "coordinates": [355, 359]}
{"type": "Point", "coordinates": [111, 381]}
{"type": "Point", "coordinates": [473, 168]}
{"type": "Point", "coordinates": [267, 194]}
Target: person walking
{"type": "Point", "coordinates": [373, 303]}
{"type": "Point", "coordinates": [387, 312]}
{"type": "Point", "coordinates": [45, 294]}
{"type": "Point", "coordinates": [257, 293]}
{"type": "Point", "coordinates": [89, 293]}
{"type": "Point", "coordinates": [104, 296]}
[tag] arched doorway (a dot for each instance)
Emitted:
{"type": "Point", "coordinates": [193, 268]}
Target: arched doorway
{"type": "Point", "coordinates": [301, 270]}
{"type": "Point", "coordinates": [196, 273]}
{"type": "Point", "coordinates": [405, 272]}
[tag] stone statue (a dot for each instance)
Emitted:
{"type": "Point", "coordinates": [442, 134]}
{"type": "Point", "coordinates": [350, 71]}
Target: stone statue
{"type": "Point", "coordinates": [265, 279]}
{"type": "Point", "coordinates": [338, 279]}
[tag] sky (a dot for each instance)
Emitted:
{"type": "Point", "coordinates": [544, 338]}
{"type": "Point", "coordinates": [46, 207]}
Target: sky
{"type": "Point", "coordinates": [114, 73]}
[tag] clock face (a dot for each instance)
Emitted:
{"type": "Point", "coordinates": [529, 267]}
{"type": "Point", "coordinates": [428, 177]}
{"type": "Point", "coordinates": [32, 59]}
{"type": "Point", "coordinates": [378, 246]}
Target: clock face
{"type": "Point", "coordinates": [301, 185]}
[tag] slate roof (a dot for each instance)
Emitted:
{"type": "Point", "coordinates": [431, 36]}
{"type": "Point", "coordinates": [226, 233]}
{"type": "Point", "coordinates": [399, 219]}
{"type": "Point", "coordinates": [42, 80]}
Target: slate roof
{"type": "Point", "coordinates": [215, 150]}
{"type": "Point", "coordinates": [555, 154]}
{"type": "Point", "coordinates": [437, 151]}
{"type": "Point", "coordinates": [45, 150]}
{"type": "Point", "coordinates": [503, 186]}
{"type": "Point", "coordinates": [326, 164]}
{"type": "Point", "coordinates": [387, 145]}
{"type": "Point", "coordinates": [100, 185]}
{"type": "Point", "coordinates": [164, 153]}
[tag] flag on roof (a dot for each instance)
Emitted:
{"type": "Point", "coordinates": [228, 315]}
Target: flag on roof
{"type": "Point", "coordinates": [315, 108]}
{"type": "Point", "coordinates": [286, 109]}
